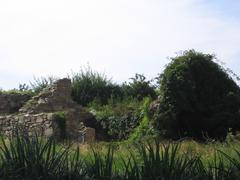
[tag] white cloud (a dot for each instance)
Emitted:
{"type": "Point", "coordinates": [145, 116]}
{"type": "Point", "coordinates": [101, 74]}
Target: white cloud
{"type": "Point", "coordinates": [119, 37]}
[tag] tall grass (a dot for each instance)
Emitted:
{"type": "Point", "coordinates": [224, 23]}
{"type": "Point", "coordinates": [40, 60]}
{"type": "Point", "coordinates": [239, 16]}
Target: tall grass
{"type": "Point", "coordinates": [89, 85]}
{"type": "Point", "coordinates": [24, 157]}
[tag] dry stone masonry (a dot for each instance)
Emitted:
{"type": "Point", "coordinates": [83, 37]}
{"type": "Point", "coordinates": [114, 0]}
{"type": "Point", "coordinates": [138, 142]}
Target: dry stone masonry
{"type": "Point", "coordinates": [12, 102]}
{"type": "Point", "coordinates": [37, 123]}
{"type": "Point", "coordinates": [40, 112]}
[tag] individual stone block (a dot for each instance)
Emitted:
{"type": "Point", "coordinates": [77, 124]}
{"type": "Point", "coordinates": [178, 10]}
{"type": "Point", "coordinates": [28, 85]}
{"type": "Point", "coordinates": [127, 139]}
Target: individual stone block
{"type": "Point", "coordinates": [90, 135]}
{"type": "Point", "coordinates": [48, 132]}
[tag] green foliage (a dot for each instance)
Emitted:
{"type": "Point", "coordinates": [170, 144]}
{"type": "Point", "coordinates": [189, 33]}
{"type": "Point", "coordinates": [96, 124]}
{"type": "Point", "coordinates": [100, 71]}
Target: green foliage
{"type": "Point", "coordinates": [27, 157]}
{"type": "Point", "coordinates": [60, 119]}
{"type": "Point", "coordinates": [40, 83]}
{"type": "Point", "coordinates": [101, 165]}
{"type": "Point", "coordinates": [198, 98]}
{"type": "Point", "coordinates": [139, 88]}
{"type": "Point", "coordinates": [89, 86]}
{"type": "Point", "coordinates": [118, 118]}
{"type": "Point", "coordinates": [165, 162]}
{"type": "Point", "coordinates": [23, 89]}
{"type": "Point", "coordinates": [24, 157]}
{"type": "Point", "coordinates": [145, 128]}
{"type": "Point", "coordinates": [15, 91]}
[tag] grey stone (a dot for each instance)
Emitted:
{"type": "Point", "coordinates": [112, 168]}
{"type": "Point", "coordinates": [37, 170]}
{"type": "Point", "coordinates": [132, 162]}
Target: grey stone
{"type": "Point", "coordinates": [39, 120]}
{"type": "Point", "coordinates": [12, 102]}
{"type": "Point", "coordinates": [37, 114]}
{"type": "Point", "coordinates": [48, 132]}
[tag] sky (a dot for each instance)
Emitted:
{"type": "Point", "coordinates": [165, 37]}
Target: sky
{"type": "Point", "coordinates": [115, 37]}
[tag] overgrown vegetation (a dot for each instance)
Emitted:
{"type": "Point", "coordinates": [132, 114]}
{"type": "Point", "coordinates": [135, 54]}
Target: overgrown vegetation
{"type": "Point", "coordinates": [118, 119]}
{"type": "Point", "coordinates": [17, 91]}
{"type": "Point", "coordinates": [40, 83]}
{"type": "Point", "coordinates": [145, 130]}
{"type": "Point", "coordinates": [90, 86]}
{"type": "Point", "coordinates": [25, 157]}
{"type": "Point", "coordinates": [198, 98]}
{"type": "Point", "coordinates": [117, 107]}
{"type": "Point", "coordinates": [34, 87]}
{"type": "Point", "coordinates": [139, 88]}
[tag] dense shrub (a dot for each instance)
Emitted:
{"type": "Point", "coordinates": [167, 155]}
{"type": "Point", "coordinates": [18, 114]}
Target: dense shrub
{"type": "Point", "coordinates": [118, 119]}
{"type": "Point", "coordinates": [89, 86]}
{"type": "Point", "coordinates": [145, 130]}
{"type": "Point", "coordinates": [198, 98]}
{"type": "Point", "coordinates": [139, 88]}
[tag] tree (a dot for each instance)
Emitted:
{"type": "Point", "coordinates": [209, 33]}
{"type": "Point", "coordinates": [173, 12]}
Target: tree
{"type": "Point", "coordinates": [197, 98]}
{"type": "Point", "coordinates": [139, 88]}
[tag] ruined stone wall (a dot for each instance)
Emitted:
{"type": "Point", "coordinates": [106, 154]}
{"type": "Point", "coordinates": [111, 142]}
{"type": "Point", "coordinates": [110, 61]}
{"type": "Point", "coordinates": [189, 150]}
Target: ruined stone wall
{"type": "Point", "coordinates": [38, 114]}
{"type": "Point", "coordinates": [41, 124]}
{"type": "Point", "coordinates": [45, 124]}
{"type": "Point", "coordinates": [12, 102]}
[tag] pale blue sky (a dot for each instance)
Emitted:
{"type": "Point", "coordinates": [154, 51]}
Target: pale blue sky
{"type": "Point", "coordinates": [118, 37]}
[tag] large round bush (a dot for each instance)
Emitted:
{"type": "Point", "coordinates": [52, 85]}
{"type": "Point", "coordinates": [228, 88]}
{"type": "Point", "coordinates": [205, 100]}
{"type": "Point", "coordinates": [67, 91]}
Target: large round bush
{"type": "Point", "coordinates": [198, 98]}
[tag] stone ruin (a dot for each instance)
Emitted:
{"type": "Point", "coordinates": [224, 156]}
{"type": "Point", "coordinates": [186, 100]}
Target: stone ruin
{"type": "Point", "coordinates": [12, 102]}
{"type": "Point", "coordinates": [38, 114]}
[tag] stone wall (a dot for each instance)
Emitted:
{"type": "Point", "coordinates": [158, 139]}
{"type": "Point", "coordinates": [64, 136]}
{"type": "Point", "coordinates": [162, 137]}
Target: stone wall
{"type": "Point", "coordinates": [12, 102]}
{"type": "Point", "coordinates": [56, 97]}
{"type": "Point", "coordinates": [45, 124]}
{"type": "Point", "coordinates": [37, 115]}
{"type": "Point", "coordinates": [42, 124]}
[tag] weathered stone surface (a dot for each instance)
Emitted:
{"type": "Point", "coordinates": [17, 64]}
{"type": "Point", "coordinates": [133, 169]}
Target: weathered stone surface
{"type": "Point", "coordinates": [12, 102]}
{"type": "Point", "coordinates": [154, 106]}
{"type": "Point", "coordinates": [90, 135]}
{"type": "Point", "coordinates": [48, 132]}
{"type": "Point", "coordinates": [39, 120]}
{"type": "Point", "coordinates": [58, 98]}
{"type": "Point", "coordinates": [32, 123]}
{"type": "Point", "coordinates": [37, 114]}
{"type": "Point", "coordinates": [53, 98]}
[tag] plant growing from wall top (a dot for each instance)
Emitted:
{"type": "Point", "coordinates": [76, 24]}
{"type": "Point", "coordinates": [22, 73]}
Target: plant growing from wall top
{"type": "Point", "coordinates": [89, 85]}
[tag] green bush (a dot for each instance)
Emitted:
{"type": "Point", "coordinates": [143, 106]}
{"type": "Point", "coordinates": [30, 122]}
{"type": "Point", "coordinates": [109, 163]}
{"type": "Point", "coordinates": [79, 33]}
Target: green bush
{"type": "Point", "coordinates": [89, 86]}
{"type": "Point", "coordinates": [118, 119]}
{"type": "Point", "coordinates": [139, 88]}
{"type": "Point", "coordinates": [198, 98]}
{"type": "Point", "coordinates": [145, 129]}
